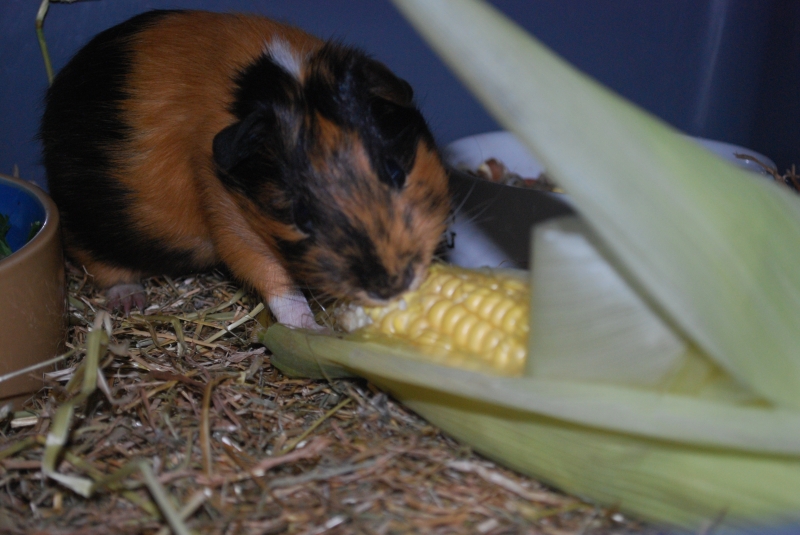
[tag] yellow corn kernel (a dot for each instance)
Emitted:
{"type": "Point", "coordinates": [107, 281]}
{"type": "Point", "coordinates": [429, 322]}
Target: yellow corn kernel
{"type": "Point", "coordinates": [471, 319]}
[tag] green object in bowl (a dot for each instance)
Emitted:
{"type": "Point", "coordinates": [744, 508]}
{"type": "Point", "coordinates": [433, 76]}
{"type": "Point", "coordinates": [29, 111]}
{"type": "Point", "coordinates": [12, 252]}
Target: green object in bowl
{"type": "Point", "coordinates": [5, 226]}
{"type": "Point", "coordinates": [21, 217]}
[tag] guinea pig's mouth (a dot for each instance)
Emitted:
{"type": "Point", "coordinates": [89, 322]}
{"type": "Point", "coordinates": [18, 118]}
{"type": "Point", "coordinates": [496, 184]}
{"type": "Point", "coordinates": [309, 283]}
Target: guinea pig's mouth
{"type": "Point", "coordinates": [364, 299]}
{"type": "Point", "coordinates": [411, 280]}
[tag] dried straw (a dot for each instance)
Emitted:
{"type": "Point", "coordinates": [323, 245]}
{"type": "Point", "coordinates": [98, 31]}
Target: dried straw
{"type": "Point", "coordinates": [174, 421]}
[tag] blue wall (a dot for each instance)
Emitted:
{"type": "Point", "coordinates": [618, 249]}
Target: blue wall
{"type": "Point", "coordinates": [724, 69]}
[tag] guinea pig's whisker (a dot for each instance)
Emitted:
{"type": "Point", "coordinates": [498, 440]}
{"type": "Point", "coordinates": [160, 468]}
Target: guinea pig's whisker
{"type": "Point", "coordinates": [458, 208]}
{"type": "Point", "coordinates": [477, 213]}
{"type": "Point", "coordinates": [316, 299]}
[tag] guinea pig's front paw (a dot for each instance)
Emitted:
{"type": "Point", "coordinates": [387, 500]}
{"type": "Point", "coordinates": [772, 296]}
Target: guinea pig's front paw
{"type": "Point", "coordinates": [309, 323]}
{"type": "Point", "coordinates": [126, 296]}
{"type": "Point", "coordinates": [292, 309]}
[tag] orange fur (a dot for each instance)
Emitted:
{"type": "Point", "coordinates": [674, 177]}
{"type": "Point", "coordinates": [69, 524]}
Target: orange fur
{"type": "Point", "coordinates": [104, 275]}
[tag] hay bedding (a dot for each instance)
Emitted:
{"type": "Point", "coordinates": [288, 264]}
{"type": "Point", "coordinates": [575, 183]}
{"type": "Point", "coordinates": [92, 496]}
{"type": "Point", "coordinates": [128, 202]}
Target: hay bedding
{"type": "Point", "coordinates": [238, 448]}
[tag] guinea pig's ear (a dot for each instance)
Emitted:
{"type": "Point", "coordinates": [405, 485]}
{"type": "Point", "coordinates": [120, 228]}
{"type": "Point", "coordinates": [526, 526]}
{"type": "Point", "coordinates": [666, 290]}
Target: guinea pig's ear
{"type": "Point", "coordinates": [240, 140]}
{"type": "Point", "coordinates": [385, 84]}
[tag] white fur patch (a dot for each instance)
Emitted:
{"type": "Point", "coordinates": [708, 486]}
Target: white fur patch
{"type": "Point", "coordinates": [292, 309]}
{"type": "Point", "coordinates": [287, 57]}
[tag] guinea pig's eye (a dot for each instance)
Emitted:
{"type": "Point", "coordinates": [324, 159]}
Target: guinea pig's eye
{"type": "Point", "coordinates": [393, 174]}
{"type": "Point", "coordinates": [302, 216]}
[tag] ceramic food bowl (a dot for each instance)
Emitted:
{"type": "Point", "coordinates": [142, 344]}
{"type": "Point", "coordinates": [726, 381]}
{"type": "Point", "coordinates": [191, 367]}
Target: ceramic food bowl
{"type": "Point", "coordinates": [32, 289]}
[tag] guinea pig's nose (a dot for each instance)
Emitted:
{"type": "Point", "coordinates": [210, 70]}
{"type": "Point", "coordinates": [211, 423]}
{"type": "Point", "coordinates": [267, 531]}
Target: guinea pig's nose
{"type": "Point", "coordinates": [395, 285]}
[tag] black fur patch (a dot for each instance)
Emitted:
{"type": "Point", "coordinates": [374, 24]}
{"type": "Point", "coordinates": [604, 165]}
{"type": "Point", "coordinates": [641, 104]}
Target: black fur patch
{"type": "Point", "coordinates": [368, 269]}
{"type": "Point", "coordinates": [264, 82]}
{"type": "Point", "coordinates": [293, 251]}
{"type": "Point", "coordinates": [248, 152]}
{"type": "Point", "coordinates": [82, 129]}
{"type": "Point", "coordinates": [372, 275]}
{"type": "Point", "coordinates": [258, 148]}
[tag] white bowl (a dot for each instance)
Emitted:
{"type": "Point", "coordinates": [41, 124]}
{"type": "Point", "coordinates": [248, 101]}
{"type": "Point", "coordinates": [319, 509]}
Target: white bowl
{"type": "Point", "coordinates": [470, 152]}
{"type": "Point", "coordinates": [492, 221]}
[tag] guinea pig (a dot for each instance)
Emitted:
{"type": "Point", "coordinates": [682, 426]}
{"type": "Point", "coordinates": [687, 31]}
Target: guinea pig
{"type": "Point", "coordinates": [178, 140]}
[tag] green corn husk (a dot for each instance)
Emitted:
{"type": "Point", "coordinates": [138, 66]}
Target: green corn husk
{"type": "Point", "coordinates": [679, 401]}
{"type": "Point", "coordinates": [669, 458]}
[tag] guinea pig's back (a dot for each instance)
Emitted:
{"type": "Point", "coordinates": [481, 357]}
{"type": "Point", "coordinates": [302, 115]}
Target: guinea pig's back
{"type": "Point", "coordinates": [128, 131]}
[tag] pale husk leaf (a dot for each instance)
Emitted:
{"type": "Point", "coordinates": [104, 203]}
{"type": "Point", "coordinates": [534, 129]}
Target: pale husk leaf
{"type": "Point", "coordinates": [676, 418]}
{"type": "Point", "coordinates": [671, 458]}
{"type": "Point", "coordinates": [588, 323]}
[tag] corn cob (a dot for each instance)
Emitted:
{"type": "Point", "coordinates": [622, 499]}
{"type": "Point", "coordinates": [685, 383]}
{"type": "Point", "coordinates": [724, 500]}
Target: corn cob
{"type": "Point", "coordinates": [465, 318]}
